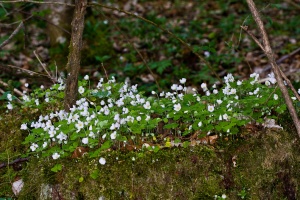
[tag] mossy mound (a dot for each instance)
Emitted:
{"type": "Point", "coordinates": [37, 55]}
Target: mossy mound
{"type": "Point", "coordinates": [261, 165]}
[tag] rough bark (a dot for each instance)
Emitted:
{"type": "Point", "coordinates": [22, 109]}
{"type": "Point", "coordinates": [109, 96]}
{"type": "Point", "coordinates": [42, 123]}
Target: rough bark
{"type": "Point", "coordinates": [266, 47]}
{"type": "Point", "coordinates": [74, 57]}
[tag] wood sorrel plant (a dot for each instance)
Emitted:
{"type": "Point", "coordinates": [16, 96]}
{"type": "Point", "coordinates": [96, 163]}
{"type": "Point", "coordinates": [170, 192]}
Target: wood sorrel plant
{"type": "Point", "coordinates": [116, 114]}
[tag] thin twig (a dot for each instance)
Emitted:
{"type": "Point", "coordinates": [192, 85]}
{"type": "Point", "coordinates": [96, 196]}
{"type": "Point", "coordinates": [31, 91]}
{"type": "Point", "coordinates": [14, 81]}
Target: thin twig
{"type": "Point", "coordinates": [290, 84]}
{"type": "Point", "coordinates": [283, 58]}
{"type": "Point", "coordinates": [12, 35]}
{"type": "Point", "coordinates": [44, 67]}
{"type": "Point", "coordinates": [15, 90]}
{"type": "Point", "coordinates": [18, 160]}
{"type": "Point", "coordinates": [269, 53]}
{"type": "Point", "coordinates": [105, 71]}
{"type": "Point", "coordinates": [245, 28]}
{"type": "Point", "coordinates": [38, 2]}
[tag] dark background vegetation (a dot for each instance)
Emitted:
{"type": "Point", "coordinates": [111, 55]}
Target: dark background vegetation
{"type": "Point", "coordinates": [125, 45]}
{"type": "Point", "coordinates": [267, 160]}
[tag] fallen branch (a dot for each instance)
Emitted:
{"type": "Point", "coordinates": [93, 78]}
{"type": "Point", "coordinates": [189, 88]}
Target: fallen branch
{"type": "Point", "coordinates": [18, 160]}
{"type": "Point", "coordinates": [12, 35]}
{"type": "Point", "coordinates": [266, 47]}
{"type": "Point", "coordinates": [15, 90]}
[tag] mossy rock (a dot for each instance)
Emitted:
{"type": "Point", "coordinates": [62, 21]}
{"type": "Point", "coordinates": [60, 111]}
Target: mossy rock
{"type": "Point", "coordinates": [265, 165]}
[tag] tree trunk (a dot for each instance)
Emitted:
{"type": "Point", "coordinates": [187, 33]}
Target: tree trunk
{"type": "Point", "coordinates": [75, 47]}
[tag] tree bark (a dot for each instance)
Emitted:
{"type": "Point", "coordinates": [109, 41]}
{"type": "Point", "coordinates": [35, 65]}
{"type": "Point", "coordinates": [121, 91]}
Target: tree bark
{"type": "Point", "coordinates": [266, 47]}
{"type": "Point", "coordinates": [74, 57]}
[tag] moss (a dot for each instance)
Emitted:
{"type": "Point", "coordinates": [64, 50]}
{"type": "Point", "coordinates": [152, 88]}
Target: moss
{"type": "Point", "coordinates": [263, 164]}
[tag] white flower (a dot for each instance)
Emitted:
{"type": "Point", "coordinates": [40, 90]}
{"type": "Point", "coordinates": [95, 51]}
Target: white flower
{"type": "Point", "coordinates": [174, 87]}
{"type": "Point", "coordinates": [267, 83]}
{"type": "Point", "coordinates": [229, 78]}
{"type": "Point", "coordinates": [113, 135]}
{"type": "Point", "coordinates": [55, 156]}
{"type": "Point", "coordinates": [207, 93]}
{"type": "Point", "coordinates": [81, 90]}
{"type": "Point", "coordinates": [37, 102]}
{"type": "Point", "coordinates": [206, 54]}
{"type": "Point", "coordinates": [33, 147]}
{"type": "Point", "coordinates": [79, 125]}
{"type": "Point", "coordinates": [147, 118]}
{"type": "Point", "coordinates": [275, 96]}
{"type": "Point", "coordinates": [232, 91]}
{"type": "Point", "coordinates": [85, 140]}
{"type": "Point", "coordinates": [177, 107]}
{"type": "Point", "coordinates": [224, 196]}
{"type": "Point", "coordinates": [23, 127]}
{"type": "Point", "coordinates": [153, 92]}
{"type": "Point", "coordinates": [45, 144]}
{"type": "Point", "coordinates": [219, 101]}
{"type": "Point", "coordinates": [9, 97]}
{"type": "Point", "coordinates": [138, 118]}
{"type": "Point", "coordinates": [147, 105]}
{"type": "Point", "coordinates": [86, 77]}
{"type": "Point", "coordinates": [220, 118]}
{"type": "Point", "coordinates": [293, 98]}
{"type": "Point", "coordinates": [210, 108]}
{"type": "Point", "coordinates": [299, 91]}
{"type": "Point", "coordinates": [102, 161]}
{"type": "Point", "coordinates": [42, 87]}
{"type": "Point", "coordinates": [62, 136]}
{"type": "Point", "coordinates": [25, 98]}
{"type": "Point", "coordinates": [199, 124]}
{"type": "Point", "coordinates": [204, 86]}
{"type": "Point", "coordinates": [239, 82]}
{"type": "Point", "coordinates": [92, 135]}
{"type": "Point", "coordinates": [225, 116]}
{"type": "Point", "coordinates": [215, 91]}
{"type": "Point", "coordinates": [179, 87]}
{"type": "Point", "coordinates": [26, 85]}
{"type": "Point", "coordinates": [182, 81]}
{"type": "Point", "coordinates": [9, 106]}
{"type": "Point", "coordinates": [272, 78]}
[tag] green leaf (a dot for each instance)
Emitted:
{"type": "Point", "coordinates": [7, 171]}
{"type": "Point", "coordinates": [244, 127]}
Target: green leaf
{"type": "Point", "coordinates": [171, 126]}
{"type": "Point", "coordinates": [106, 145]}
{"type": "Point", "coordinates": [101, 94]}
{"type": "Point", "coordinates": [95, 174]}
{"type": "Point", "coordinates": [80, 179]}
{"type": "Point", "coordinates": [56, 168]}
{"type": "Point", "coordinates": [186, 144]}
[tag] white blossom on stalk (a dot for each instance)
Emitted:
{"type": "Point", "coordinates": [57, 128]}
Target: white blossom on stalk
{"type": "Point", "coordinates": [177, 107]}
{"type": "Point", "coordinates": [113, 135]}
{"type": "Point", "coordinates": [199, 124]}
{"type": "Point", "coordinates": [81, 90]}
{"type": "Point", "coordinates": [86, 77]}
{"type": "Point", "coordinates": [9, 106]}
{"type": "Point", "coordinates": [147, 105]}
{"type": "Point", "coordinates": [210, 108]}
{"type": "Point", "coordinates": [275, 96]}
{"type": "Point", "coordinates": [55, 156]}
{"type": "Point", "coordinates": [204, 87]}
{"type": "Point", "coordinates": [23, 127]}
{"type": "Point", "coordinates": [85, 140]}
{"type": "Point", "coordinates": [9, 97]}
{"type": "Point", "coordinates": [33, 147]}
{"type": "Point", "coordinates": [182, 81]}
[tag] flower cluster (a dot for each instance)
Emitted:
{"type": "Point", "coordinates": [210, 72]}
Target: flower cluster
{"type": "Point", "coordinates": [116, 114]}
